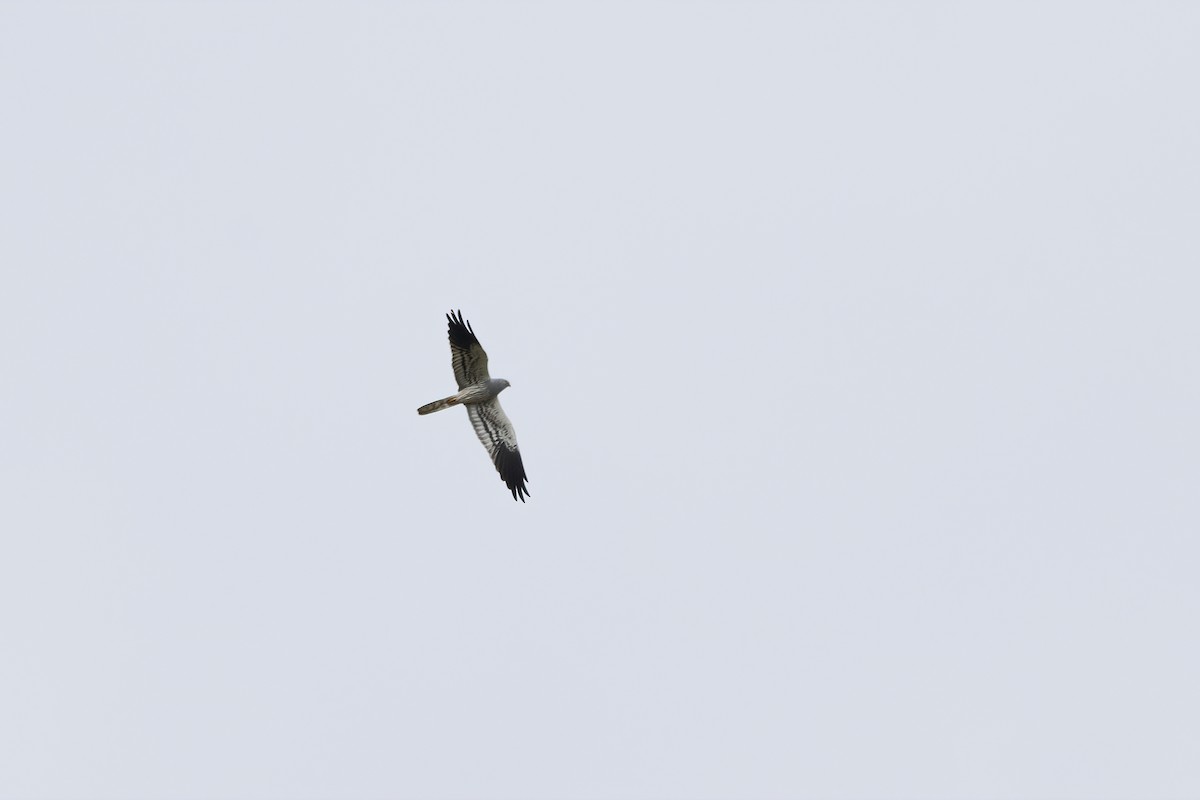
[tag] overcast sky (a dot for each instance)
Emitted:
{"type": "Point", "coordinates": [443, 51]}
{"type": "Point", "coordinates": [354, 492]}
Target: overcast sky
{"type": "Point", "coordinates": [853, 362]}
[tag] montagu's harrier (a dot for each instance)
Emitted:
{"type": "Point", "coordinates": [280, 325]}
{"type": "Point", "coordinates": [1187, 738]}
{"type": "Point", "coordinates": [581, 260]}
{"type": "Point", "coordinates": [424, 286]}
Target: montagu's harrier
{"type": "Point", "coordinates": [478, 393]}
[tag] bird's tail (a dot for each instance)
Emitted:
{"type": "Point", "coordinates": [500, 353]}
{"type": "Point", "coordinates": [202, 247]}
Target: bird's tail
{"type": "Point", "coordinates": [438, 405]}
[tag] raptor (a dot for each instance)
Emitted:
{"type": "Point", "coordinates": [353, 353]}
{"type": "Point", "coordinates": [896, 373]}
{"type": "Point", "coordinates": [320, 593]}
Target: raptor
{"type": "Point", "coordinates": [478, 392]}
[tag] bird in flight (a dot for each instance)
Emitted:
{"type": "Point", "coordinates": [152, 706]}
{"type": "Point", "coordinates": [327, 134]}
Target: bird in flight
{"type": "Point", "coordinates": [478, 392]}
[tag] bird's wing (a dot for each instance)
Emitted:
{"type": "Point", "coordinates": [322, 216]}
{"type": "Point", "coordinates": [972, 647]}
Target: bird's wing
{"type": "Point", "coordinates": [466, 354]}
{"type": "Point", "coordinates": [497, 434]}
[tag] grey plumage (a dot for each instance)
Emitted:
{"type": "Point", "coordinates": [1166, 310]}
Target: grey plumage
{"type": "Point", "coordinates": [478, 393]}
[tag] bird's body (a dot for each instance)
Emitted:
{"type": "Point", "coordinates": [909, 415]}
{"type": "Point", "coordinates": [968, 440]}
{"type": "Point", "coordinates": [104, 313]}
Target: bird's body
{"type": "Point", "coordinates": [474, 394]}
{"type": "Point", "coordinates": [478, 393]}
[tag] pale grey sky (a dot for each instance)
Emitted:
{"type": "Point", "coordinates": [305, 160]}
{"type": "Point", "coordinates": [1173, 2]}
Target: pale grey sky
{"type": "Point", "coordinates": [853, 359]}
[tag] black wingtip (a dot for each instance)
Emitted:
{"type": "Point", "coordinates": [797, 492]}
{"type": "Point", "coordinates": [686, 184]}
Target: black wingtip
{"type": "Point", "coordinates": [460, 330]}
{"type": "Point", "coordinates": [519, 490]}
{"type": "Point", "coordinates": [512, 472]}
{"type": "Point", "coordinates": [456, 318]}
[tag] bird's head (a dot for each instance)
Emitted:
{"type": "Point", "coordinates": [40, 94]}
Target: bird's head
{"type": "Point", "coordinates": [499, 385]}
